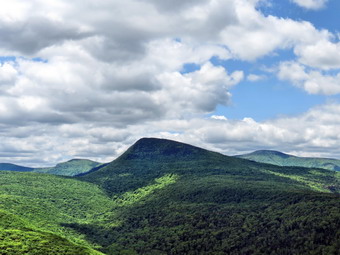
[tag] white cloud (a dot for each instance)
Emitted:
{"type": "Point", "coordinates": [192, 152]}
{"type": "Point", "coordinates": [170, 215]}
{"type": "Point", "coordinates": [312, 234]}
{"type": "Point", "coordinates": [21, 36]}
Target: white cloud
{"type": "Point", "coordinates": [218, 117]}
{"type": "Point", "coordinates": [113, 74]}
{"type": "Point", "coordinates": [311, 4]}
{"type": "Point", "coordinates": [314, 133]}
{"type": "Point", "coordinates": [322, 54]}
{"type": "Point", "coordinates": [196, 92]}
{"type": "Point", "coordinates": [8, 74]}
{"type": "Point", "coordinates": [313, 81]}
{"type": "Point", "coordinates": [255, 77]}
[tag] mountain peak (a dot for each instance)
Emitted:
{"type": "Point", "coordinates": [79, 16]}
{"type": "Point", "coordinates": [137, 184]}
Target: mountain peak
{"type": "Point", "coordinates": [153, 148]}
{"type": "Point", "coordinates": [270, 153]}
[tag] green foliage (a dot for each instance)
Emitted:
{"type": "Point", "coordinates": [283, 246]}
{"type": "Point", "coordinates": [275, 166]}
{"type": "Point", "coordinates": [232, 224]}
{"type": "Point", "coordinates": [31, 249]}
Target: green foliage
{"type": "Point", "coordinates": [131, 197]}
{"type": "Point", "coordinates": [164, 197]}
{"type": "Point", "coordinates": [49, 202]}
{"type": "Point", "coordinates": [17, 236]}
{"type": "Point", "coordinates": [315, 185]}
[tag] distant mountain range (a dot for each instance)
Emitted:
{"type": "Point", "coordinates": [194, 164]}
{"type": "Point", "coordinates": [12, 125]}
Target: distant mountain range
{"type": "Point", "coordinates": [76, 167]}
{"type": "Point", "coordinates": [282, 159]}
{"type": "Point", "coordinates": [166, 197]}
{"type": "Point", "coordinates": [13, 167]}
{"type": "Point", "coordinates": [70, 168]}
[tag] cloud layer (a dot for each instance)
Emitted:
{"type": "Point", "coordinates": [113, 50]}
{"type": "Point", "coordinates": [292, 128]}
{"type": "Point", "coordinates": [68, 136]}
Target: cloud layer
{"type": "Point", "coordinates": [89, 77]}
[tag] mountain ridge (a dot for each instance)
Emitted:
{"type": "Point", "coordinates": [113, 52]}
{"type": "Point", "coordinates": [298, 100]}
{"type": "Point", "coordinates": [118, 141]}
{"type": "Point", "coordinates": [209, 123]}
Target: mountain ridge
{"type": "Point", "coordinates": [283, 159]}
{"type": "Point", "coordinates": [14, 167]}
{"type": "Point", "coordinates": [71, 167]}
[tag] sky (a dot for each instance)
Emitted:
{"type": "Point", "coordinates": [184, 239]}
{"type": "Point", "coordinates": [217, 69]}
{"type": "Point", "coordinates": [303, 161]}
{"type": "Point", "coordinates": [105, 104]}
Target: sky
{"type": "Point", "coordinates": [86, 79]}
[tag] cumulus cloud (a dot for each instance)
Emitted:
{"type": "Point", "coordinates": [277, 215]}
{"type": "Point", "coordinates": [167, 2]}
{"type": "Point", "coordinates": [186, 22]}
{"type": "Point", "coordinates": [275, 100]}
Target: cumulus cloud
{"type": "Point", "coordinates": [255, 77]}
{"type": "Point", "coordinates": [8, 73]}
{"type": "Point", "coordinates": [313, 81]}
{"type": "Point", "coordinates": [113, 73]}
{"type": "Point", "coordinates": [314, 133]}
{"type": "Point", "coordinates": [323, 54]}
{"type": "Point", "coordinates": [311, 4]}
{"type": "Point", "coordinates": [196, 92]}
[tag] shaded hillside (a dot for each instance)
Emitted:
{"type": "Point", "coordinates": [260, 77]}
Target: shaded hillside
{"type": "Point", "coordinates": [13, 167]}
{"type": "Point", "coordinates": [282, 159]}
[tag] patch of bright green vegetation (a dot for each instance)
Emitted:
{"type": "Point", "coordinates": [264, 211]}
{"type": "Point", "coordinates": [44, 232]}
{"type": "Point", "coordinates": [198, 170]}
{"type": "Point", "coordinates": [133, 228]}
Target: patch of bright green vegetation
{"type": "Point", "coordinates": [131, 197]}
{"type": "Point", "coordinates": [18, 236]}
{"type": "Point", "coordinates": [313, 185]}
{"type": "Point", "coordinates": [50, 202]}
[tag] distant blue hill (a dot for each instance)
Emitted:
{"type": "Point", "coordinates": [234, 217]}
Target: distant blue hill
{"type": "Point", "coordinates": [13, 167]}
{"type": "Point", "coordinates": [70, 168]}
{"type": "Point", "coordinates": [282, 159]}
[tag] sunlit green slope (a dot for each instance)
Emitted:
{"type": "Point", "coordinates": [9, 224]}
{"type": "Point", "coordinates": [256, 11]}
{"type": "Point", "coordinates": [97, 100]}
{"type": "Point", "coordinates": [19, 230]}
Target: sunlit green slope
{"type": "Point", "coordinates": [18, 236]}
{"type": "Point", "coordinates": [49, 203]}
{"type": "Point", "coordinates": [282, 159]}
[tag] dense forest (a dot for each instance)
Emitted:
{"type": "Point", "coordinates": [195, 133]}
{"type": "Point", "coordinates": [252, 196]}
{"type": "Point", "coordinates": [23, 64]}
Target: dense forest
{"type": "Point", "coordinates": [165, 197]}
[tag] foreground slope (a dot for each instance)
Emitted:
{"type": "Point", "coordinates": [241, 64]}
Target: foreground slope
{"type": "Point", "coordinates": [39, 206]}
{"type": "Point", "coordinates": [282, 159]}
{"type": "Point", "coordinates": [17, 236]}
{"type": "Point", "coordinates": [173, 198]}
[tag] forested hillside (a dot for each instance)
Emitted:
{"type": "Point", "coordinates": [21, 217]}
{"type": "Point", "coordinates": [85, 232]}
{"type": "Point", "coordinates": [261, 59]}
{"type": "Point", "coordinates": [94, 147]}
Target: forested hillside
{"type": "Point", "coordinates": [165, 197]}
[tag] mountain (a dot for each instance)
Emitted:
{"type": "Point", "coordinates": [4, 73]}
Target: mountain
{"type": "Point", "coordinates": [282, 159]}
{"type": "Point", "coordinates": [13, 167]}
{"type": "Point", "coordinates": [166, 197]}
{"type": "Point", "coordinates": [70, 168]}
{"type": "Point", "coordinates": [174, 198]}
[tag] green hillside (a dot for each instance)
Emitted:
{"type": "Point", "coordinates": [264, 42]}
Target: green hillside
{"type": "Point", "coordinates": [174, 198]}
{"type": "Point", "coordinates": [282, 159]}
{"type": "Point", "coordinates": [47, 203]}
{"type": "Point", "coordinates": [17, 236]}
{"type": "Point", "coordinates": [70, 168]}
{"type": "Point", "coordinates": [165, 197]}
{"type": "Point", "coordinates": [13, 167]}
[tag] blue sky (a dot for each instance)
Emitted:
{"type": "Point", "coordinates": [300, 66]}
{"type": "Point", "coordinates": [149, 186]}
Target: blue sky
{"type": "Point", "coordinates": [87, 79]}
{"type": "Point", "coordinates": [270, 97]}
